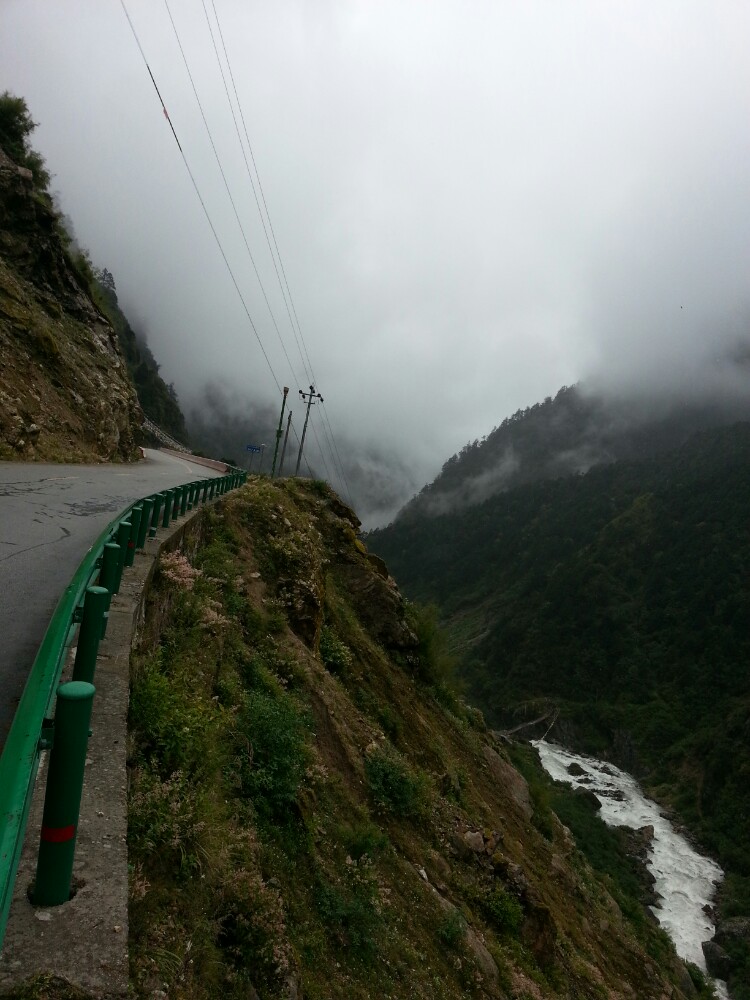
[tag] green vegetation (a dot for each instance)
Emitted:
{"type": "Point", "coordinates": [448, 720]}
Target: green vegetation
{"type": "Point", "coordinates": [47, 987]}
{"type": "Point", "coordinates": [16, 126]}
{"type": "Point", "coordinates": [158, 399]}
{"type": "Point", "coordinates": [394, 786]}
{"type": "Point", "coordinates": [622, 598]}
{"type": "Point", "coordinates": [307, 815]}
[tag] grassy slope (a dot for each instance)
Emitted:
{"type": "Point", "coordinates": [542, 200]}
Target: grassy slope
{"type": "Point", "coordinates": [302, 781]}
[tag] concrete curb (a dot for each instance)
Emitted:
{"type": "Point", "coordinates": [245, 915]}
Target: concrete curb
{"type": "Point", "coordinates": [86, 939]}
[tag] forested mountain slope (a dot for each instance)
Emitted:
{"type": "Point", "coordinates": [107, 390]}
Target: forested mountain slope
{"type": "Point", "coordinates": [576, 431]}
{"type": "Point", "coordinates": [622, 598]}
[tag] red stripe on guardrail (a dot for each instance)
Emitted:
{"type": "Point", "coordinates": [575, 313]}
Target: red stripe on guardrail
{"type": "Point", "coordinates": [58, 834]}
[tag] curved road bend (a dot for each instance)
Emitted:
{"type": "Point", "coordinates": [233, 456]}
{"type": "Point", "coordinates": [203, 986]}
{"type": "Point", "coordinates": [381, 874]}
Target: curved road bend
{"type": "Point", "coordinates": [50, 515]}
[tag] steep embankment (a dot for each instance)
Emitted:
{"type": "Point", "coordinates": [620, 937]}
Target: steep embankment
{"type": "Point", "coordinates": [314, 814]}
{"type": "Point", "coordinates": [64, 389]}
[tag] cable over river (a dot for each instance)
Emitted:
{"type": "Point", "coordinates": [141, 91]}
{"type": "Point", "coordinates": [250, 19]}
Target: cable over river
{"type": "Point", "coordinates": [685, 882]}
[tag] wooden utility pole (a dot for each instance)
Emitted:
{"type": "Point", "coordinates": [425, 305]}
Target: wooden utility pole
{"type": "Point", "coordinates": [278, 432]}
{"type": "Point", "coordinates": [310, 396]}
{"type": "Point", "coordinates": [283, 450]}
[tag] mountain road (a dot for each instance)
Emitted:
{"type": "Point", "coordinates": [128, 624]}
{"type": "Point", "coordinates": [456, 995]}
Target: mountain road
{"type": "Point", "coordinates": [50, 515]}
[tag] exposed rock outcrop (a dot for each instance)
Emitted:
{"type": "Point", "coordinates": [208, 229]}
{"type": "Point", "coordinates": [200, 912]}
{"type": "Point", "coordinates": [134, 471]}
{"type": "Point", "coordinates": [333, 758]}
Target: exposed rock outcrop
{"type": "Point", "coordinates": [64, 390]}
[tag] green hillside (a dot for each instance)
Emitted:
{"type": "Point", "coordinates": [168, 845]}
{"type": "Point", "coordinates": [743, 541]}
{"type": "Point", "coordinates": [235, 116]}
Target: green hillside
{"type": "Point", "coordinates": [620, 597]}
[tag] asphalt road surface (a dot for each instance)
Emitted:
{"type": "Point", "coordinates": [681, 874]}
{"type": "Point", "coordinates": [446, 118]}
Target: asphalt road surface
{"type": "Point", "coordinates": [50, 515]}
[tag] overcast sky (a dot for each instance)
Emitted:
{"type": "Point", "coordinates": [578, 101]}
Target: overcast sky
{"type": "Point", "coordinates": [475, 202]}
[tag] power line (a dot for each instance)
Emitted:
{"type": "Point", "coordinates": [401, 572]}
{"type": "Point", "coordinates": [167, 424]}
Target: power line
{"type": "Point", "coordinates": [307, 366]}
{"type": "Point", "coordinates": [247, 165]}
{"type": "Point", "coordinates": [229, 193]}
{"type": "Point", "coordinates": [326, 419]}
{"type": "Point", "coordinates": [202, 202]}
{"type": "Point", "coordinates": [257, 203]}
{"type": "Point", "coordinates": [226, 182]}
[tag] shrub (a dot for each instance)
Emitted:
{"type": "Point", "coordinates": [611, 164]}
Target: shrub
{"type": "Point", "coordinates": [172, 727]}
{"type": "Point", "coordinates": [503, 911]}
{"type": "Point", "coordinates": [352, 910]}
{"type": "Point", "coordinates": [275, 732]}
{"type": "Point", "coordinates": [252, 928]}
{"type": "Point", "coordinates": [16, 125]}
{"type": "Point", "coordinates": [452, 929]}
{"type": "Point", "coordinates": [394, 786]}
{"type": "Point", "coordinates": [432, 663]}
{"type": "Point", "coordinates": [364, 838]}
{"type": "Point", "coordinates": [335, 654]}
{"type": "Point", "coordinates": [163, 818]}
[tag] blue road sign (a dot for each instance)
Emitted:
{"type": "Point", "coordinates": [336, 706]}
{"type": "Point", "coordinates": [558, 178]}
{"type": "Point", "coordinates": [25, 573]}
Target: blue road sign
{"type": "Point", "coordinates": [255, 448]}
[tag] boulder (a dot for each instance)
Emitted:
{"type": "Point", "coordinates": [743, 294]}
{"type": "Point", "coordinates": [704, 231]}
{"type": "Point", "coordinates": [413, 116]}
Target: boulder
{"type": "Point", "coordinates": [380, 607]}
{"type": "Point", "coordinates": [539, 930]}
{"type": "Point", "coordinates": [474, 841]}
{"type": "Point", "coordinates": [718, 962]}
{"type": "Point", "coordinates": [733, 929]}
{"type": "Point", "coordinates": [588, 796]}
{"type": "Point", "coordinates": [507, 777]}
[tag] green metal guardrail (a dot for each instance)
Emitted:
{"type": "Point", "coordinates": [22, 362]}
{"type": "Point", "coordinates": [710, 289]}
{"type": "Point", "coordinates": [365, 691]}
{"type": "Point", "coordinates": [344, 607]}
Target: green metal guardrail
{"type": "Point", "coordinates": [32, 726]}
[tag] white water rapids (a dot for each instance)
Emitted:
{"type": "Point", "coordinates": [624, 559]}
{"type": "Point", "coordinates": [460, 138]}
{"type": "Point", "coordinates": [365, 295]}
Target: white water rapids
{"type": "Point", "coordinates": [685, 881]}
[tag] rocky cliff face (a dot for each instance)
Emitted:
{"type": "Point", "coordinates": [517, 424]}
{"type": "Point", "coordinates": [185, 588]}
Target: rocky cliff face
{"type": "Point", "coordinates": [64, 390]}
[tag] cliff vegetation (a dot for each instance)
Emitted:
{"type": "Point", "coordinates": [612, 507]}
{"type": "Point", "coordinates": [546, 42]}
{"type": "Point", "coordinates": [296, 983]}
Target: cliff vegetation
{"type": "Point", "coordinates": [65, 394]}
{"type": "Point", "coordinates": [314, 812]}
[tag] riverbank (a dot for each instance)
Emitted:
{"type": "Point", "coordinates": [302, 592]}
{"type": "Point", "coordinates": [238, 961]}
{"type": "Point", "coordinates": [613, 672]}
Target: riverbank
{"type": "Point", "coordinates": [684, 881]}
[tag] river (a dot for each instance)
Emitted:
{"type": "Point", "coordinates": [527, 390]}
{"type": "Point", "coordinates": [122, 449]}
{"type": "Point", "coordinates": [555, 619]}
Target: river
{"type": "Point", "coordinates": [685, 881]}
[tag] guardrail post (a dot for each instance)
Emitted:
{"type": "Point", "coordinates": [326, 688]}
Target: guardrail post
{"type": "Point", "coordinates": [135, 523]}
{"type": "Point", "coordinates": [148, 506]}
{"type": "Point", "coordinates": [184, 503]}
{"type": "Point", "coordinates": [110, 565]}
{"type": "Point", "coordinates": [123, 537]}
{"type": "Point", "coordinates": [168, 504]}
{"type": "Point", "coordinates": [177, 502]}
{"type": "Point", "coordinates": [158, 501]}
{"type": "Point", "coordinates": [108, 577]}
{"type": "Point", "coordinates": [90, 632]}
{"type": "Point", "coordinates": [62, 801]}
{"type": "Point", "coordinates": [205, 490]}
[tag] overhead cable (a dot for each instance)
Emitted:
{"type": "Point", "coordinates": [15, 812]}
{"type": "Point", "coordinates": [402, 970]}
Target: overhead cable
{"type": "Point", "coordinates": [226, 183]}
{"type": "Point", "coordinates": [285, 288]}
{"type": "Point", "coordinates": [203, 204]}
